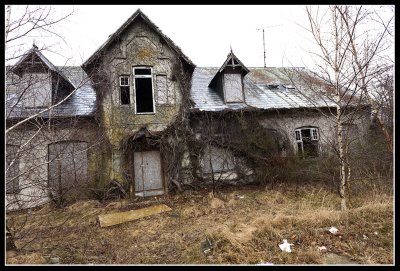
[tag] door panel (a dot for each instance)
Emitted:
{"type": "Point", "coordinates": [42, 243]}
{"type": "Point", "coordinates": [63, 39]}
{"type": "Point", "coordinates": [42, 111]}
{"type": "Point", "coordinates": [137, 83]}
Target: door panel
{"type": "Point", "coordinates": [148, 175]}
{"type": "Point", "coordinates": [138, 167]}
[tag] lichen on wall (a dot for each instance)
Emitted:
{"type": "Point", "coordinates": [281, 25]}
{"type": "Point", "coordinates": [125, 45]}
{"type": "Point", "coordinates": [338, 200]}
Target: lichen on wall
{"type": "Point", "coordinates": [138, 45]}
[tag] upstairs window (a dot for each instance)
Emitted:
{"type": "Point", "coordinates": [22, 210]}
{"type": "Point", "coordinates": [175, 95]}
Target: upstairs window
{"type": "Point", "coordinates": [307, 139]}
{"type": "Point", "coordinates": [233, 88]}
{"type": "Point", "coordinates": [125, 92]}
{"type": "Point", "coordinates": [144, 96]}
{"type": "Point", "coordinates": [35, 89]}
{"type": "Point", "coordinates": [164, 94]}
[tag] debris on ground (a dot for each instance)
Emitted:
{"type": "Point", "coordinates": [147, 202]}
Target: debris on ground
{"type": "Point", "coordinates": [285, 246]}
{"type": "Point", "coordinates": [365, 237]}
{"type": "Point", "coordinates": [322, 248]}
{"type": "Point", "coordinates": [333, 230]}
{"type": "Point", "coordinates": [239, 197]}
{"type": "Point", "coordinates": [206, 246]}
{"type": "Point", "coordinates": [375, 232]}
{"type": "Point", "coordinates": [122, 217]}
{"type": "Point", "coordinates": [54, 260]}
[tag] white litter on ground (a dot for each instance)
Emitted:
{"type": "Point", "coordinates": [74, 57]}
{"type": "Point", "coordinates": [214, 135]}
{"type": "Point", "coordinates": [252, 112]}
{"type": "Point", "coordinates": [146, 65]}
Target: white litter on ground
{"type": "Point", "coordinates": [285, 246]}
{"type": "Point", "coordinates": [264, 263]}
{"type": "Point", "coordinates": [322, 248]}
{"type": "Point", "coordinates": [333, 230]}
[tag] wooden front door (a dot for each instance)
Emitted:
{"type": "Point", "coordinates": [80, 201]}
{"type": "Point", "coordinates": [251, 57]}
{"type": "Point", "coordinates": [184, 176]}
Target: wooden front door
{"type": "Point", "coordinates": [148, 173]}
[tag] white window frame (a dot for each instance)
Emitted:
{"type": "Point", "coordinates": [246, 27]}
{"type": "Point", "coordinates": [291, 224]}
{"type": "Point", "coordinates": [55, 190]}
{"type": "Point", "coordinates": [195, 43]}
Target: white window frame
{"type": "Point", "coordinates": [130, 92]}
{"type": "Point", "coordinates": [151, 76]}
{"type": "Point", "coordinates": [314, 133]}
{"type": "Point", "coordinates": [299, 139]}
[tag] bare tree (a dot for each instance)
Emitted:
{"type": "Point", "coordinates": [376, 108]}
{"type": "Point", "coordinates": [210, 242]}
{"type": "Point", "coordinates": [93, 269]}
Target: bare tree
{"type": "Point", "coordinates": [43, 134]}
{"type": "Point", "coordinates": [345, 73]}
{"type": "Point", "coordinates": [24, 23]}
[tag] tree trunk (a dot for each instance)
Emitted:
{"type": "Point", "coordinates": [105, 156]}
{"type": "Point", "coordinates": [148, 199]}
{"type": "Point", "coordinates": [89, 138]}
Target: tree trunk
{"type": "Point", "coordinates": [8, 14]}
{"type": "Point", "coordinates": [342, 183]}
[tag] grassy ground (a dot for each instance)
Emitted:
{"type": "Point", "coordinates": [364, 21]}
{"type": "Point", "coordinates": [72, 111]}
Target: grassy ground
{"type": "Point", "coordinates": [244, 226]}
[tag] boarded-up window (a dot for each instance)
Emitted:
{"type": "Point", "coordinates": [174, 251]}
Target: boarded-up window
{"type": "Point", "coordinates": [233, 88]}
{"type": "Point", "coordinates": [67, 167]}
{"type": "Point", "coordinates": [35, 89]}
{"type": "Point", "coordinates": [12, 169]}
{"type": "Point", "coordinates": [162, 93]}
{"type": "Point", "coordinates": [217, 160]}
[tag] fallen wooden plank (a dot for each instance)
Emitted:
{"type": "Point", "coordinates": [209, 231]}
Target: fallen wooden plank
{"type": "Point", "coordinates": [122, 217]}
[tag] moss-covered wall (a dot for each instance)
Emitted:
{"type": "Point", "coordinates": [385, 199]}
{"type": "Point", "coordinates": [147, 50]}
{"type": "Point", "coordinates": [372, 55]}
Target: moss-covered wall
{"type": "Point", "coordinates": [138, 45]}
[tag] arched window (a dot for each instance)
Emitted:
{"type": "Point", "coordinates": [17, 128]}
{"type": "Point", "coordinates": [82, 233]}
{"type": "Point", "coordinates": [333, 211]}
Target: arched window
{"type": "Point", "coordinates": [307, 140]}
{"type": "Point", "coordinates": [67, 167]}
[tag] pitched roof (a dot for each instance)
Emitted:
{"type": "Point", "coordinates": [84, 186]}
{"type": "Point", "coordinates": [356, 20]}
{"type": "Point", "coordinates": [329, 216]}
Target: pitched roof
{"type": "Point", "coordinates": [81, 103]}
{"type": "Point", "coordinates": [264, 88]}
{"type": "Point", "coordinates": [138, 13]}
{"type": "Point", "coordinates": [36, 51]}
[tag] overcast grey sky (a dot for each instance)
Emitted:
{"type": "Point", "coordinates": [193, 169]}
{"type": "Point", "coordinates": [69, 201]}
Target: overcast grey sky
{"type": "Point", "coordinates": [204, 33]}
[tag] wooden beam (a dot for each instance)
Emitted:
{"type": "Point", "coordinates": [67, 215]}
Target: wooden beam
{"type": "Point", "coordinates": [122, 217]}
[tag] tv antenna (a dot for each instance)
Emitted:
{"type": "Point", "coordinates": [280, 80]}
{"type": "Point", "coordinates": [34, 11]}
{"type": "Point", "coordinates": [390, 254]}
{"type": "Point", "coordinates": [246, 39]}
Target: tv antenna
{"type": "Point", "coordinates": [264, 38]}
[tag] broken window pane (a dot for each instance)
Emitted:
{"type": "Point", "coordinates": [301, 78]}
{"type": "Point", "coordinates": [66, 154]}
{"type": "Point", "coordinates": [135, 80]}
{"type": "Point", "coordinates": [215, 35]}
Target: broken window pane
{"type": "Point", "coordinates": [307, 141]}
{"type": "Point", "coordinates": [144, 95]}
{"type": "Point", "coordinates": [142, 71]}
{"type": "Point", "coordinates": [125, 95]}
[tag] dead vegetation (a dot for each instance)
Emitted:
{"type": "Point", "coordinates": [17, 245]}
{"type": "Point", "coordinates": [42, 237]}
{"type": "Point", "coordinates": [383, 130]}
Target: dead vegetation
{"type": "Point", "coordinates": [242, 225]}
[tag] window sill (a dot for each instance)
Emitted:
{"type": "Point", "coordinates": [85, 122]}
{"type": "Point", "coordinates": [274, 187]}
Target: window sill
{"type": "Point", "coordinates": [146, 113]}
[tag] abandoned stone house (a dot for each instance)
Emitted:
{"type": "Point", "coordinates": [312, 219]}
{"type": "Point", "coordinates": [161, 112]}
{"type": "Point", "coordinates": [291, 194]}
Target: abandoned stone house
{"type": "Point", "coordinates": [140, 115]}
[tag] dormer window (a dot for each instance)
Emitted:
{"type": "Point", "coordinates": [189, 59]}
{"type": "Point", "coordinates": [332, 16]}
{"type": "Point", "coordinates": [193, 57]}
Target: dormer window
{"type": "Point", "coordinates": [228, 81]}
{"type": "Point", "coordinates": [35, 89]}
{"type": "Point", "coordinates": [233, 88]}
{"type": "Point", "coordinates": [39, 83]}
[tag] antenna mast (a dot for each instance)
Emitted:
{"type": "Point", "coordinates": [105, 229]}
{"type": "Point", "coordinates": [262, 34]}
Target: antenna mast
{"type": "Point", "coordinates": [265, 65]}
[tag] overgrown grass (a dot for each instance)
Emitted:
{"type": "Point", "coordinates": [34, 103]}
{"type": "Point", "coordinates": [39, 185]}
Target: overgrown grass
{"type": "Point", "coordinates": [245, 228]}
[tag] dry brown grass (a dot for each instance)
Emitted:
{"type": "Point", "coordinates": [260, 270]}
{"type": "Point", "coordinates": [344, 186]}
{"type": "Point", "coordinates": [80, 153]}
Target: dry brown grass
{"type": "Point", "coordinates": [242, 230]}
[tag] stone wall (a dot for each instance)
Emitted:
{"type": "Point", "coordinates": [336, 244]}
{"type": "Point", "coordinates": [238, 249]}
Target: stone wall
{"type": "Point", "coordinates": [33, 158]}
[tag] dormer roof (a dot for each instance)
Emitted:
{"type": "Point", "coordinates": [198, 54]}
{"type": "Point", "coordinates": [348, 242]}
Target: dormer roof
{"type": "Point", "coordinates": [29, 58]}
{"type": "Point", "coordinates": [232, 61]}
